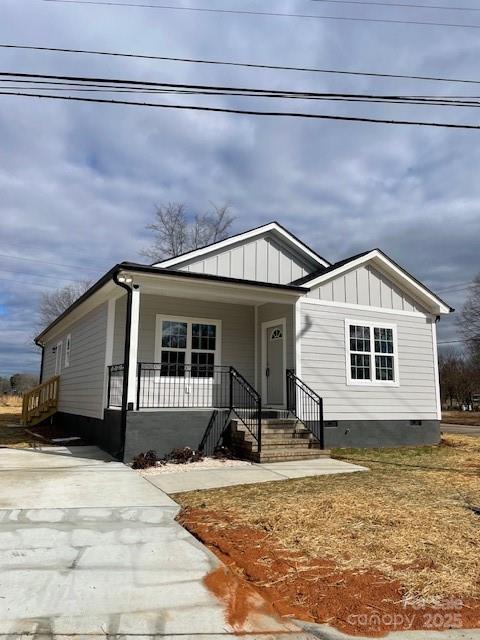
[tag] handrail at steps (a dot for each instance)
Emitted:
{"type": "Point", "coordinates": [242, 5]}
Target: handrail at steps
{"type": "Point", "coordinates": [306, 405]}
{"type": "Point", "coordinates": [41, 400]}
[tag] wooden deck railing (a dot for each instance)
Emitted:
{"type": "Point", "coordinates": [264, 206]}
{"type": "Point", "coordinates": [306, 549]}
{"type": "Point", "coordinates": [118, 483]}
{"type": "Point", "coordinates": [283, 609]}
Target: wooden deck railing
{"type": "Point", "coordinates": [40, 402]}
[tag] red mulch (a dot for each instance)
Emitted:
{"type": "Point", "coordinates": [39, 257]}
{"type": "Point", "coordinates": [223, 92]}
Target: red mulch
{"type": "Point", "coordinates": [357, 603]}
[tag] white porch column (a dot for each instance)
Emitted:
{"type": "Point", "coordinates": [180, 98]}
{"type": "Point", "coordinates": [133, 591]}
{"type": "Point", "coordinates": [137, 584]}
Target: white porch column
{"type": "Point", "coordinates": [132, 361]}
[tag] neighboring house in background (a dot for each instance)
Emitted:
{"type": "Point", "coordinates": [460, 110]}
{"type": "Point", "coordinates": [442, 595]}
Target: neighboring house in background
{"type": "Point", "coordinates": [254, 328]}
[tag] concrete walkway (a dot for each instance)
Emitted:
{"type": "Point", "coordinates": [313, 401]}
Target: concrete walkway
{"type": "Point", "coordinates": [90, 548]}
{"type": "Point", "coordinates": [173, 482]}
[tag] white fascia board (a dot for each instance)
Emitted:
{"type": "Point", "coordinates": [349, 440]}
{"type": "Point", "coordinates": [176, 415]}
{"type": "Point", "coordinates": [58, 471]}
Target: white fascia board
{"type": "Point", "coordinates": [272, 226]}
{"type": "Point", "coordinates": [428, 298]}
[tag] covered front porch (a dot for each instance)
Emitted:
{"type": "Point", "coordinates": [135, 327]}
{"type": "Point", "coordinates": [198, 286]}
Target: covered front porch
{"type": "Point", "coordinates": [186, 344]}
{"type": "Point", "coordinates": [187, 359]}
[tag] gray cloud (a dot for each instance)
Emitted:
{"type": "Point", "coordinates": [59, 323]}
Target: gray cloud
{"type": "Point", "coordinates": [78, 183]}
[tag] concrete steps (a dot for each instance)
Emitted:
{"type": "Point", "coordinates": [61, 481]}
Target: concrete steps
{"type": "Point", "coordinates": [282, 439]}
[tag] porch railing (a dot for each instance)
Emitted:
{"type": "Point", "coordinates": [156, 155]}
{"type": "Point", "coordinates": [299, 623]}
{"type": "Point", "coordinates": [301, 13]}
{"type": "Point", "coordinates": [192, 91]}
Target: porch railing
{"type": "Point", "coordinates": [186, 386]}
{"type": "Point", "coordinates": [306, 405]}
{"type": "Point", "coordinates": [192, 386]}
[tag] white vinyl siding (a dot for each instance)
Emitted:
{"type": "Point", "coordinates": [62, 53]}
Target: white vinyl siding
{"type": "Point", "coordinates": [82, 382]}
{"type": "Point", "coordinates": [365, 285]}
{"type": "Point", "coordinates": [262, 259]}
{"type": "Point", "coordinates": [324, 365]}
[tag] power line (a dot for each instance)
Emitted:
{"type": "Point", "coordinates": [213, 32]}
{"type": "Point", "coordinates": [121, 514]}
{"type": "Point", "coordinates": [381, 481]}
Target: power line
{"type": "Point", "coordinates": [282, 114]}
{"type": "Point", "coordinates": [238, 64]}
{"type": "Point", "coordinates": [158, 87]}
{"type": "Point", "coordinates": [399, 4]}
{"type": "Point", "coordinates": [457, 287]}
{"type": "Point", "coordinates": [261, 13]}
{"type": "Point", "coordinates": [55, 264]}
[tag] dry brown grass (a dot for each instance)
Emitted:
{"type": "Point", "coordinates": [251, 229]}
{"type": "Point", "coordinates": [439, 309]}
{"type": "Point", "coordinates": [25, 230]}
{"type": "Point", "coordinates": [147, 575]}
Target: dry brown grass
{"type": "Point", "coordinates": [11, 433]}
{"type": "Point", "coordinates": [408, 517]}
{"type": "Point", "coordinates": [10, 403]}
{"type": "Point", "coordinates": [461, 417]}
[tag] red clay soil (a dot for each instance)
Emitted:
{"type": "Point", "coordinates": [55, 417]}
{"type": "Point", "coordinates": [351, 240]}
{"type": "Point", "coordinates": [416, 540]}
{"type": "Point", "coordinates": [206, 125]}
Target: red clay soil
{"type": "Point", "coordinates": [357, 603]}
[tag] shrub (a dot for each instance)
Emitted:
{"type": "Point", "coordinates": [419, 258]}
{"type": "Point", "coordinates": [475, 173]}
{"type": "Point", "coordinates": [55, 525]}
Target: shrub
{"type": "Point", "coordinates": [145, 460]}
{"type": "Point", "coordinates": [183, 456]}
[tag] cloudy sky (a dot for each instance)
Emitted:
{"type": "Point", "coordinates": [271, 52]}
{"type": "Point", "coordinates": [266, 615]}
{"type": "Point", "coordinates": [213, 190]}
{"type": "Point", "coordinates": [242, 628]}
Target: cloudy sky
{"type": "Point", "coordinates": [79, 182]}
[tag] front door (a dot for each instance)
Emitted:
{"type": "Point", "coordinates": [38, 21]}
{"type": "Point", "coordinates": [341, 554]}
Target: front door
{"type": "Point", "coordinates": [274, 336]}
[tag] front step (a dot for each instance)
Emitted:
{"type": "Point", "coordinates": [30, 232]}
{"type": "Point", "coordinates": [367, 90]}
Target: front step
{"type": "Point", "coordinates": [283, 439]}
{"type": "Point", "coordinates": [309, 454]}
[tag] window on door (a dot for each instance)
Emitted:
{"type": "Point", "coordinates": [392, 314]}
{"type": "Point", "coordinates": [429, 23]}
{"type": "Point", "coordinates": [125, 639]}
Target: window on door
{"type": "Point", "coordinates": [188, 347]}
{"type": "Point", "coordinates": [371, 354]}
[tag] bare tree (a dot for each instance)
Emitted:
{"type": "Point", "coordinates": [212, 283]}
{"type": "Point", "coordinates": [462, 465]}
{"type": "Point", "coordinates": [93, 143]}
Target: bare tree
{"type": "Point", "coordinates": [469, 321]}
{"type": "Point", "coordinates": [54, 303]}
{"type": "Point", "coordinates": [175, 232]}
{"type": "Point", "coordinates": [22, 382]}
{"type": "Point", "coordinates": [457, 378]}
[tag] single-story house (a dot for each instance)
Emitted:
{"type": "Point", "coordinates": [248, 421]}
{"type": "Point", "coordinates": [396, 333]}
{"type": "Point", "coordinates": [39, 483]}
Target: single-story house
{"type": "Point", "coordinates": [256, 337]}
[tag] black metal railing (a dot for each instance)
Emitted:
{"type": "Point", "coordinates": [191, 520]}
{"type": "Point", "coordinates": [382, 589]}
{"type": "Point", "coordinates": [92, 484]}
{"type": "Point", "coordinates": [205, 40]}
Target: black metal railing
{"type": "Point", "coordinates": [193, 386]}
{"type": "Point", "coordinates": [306, 405]}
{"type": "Point", "coordinates": [215, 432]}
{"type": "Point", "coordinates": [246, 404]}
{"type": "Point", "coordinates": [115, 385]}
{"type": "Point", "coordinates": [185, 386]}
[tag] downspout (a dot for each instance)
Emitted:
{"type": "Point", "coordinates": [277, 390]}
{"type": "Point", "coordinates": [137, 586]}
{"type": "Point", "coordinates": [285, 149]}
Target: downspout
{"type": "Point", "coordinates": [126, 364]}
{"type": "Point", "coordinates": [42, 361]}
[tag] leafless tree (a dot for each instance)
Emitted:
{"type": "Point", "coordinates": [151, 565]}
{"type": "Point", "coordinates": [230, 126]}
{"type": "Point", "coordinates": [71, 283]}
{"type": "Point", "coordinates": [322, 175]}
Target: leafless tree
{"type": "Point", "coordinates": [22, 382]}
{"type": "Point", "coordinates": [52, 304]}
{"type": "Point", "coordinates": [176, 232]}
{"type": "Point", "coordinates": [457, 377]}
{"type": "Point", "coordinates": [469, 321]}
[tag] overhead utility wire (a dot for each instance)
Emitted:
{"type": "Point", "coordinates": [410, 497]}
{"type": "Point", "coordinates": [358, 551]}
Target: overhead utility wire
{"type": "Point", "coordinates": [403, 5]}
{"type": "Point", "coordinates": [238, 64]}
{"type": "Point", "coordinates": [99, 82]}
{"type": "Point", "coordinates": [282, 114]}
{"type": "Point", "coordinates": [55, 264]}
{"type": "Point", "coordinates": [261, 13]}
{"type": "Point", "coordinates": [408, 101]}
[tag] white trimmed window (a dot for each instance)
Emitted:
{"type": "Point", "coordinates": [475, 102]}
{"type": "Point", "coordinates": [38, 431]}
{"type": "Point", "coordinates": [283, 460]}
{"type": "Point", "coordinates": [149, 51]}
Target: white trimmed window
{"type": "Point", "coordinates": [68, 346]}
{"type": "Point", "coordinates": [187, 341]}
{"type": "Point", "coordinates": [372, 356]}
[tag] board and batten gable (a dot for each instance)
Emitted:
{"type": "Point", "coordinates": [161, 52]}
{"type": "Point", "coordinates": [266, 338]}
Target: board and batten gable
{"type": "Point", "coordinates": [365, 296]}
{"type": "Point", "coordinates": [263, 259]}
{"type": "Point", "coordinates": [82, 382]}
{"type": "Point", "coordinates": [365, 285]}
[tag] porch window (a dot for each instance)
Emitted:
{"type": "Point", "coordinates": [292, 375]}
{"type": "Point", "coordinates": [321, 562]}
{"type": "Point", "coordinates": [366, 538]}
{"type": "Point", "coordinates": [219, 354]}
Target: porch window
{"type": "Point", "coordinates": [186, 342]}
{"type": "Point", "coordinates": [371, 353]}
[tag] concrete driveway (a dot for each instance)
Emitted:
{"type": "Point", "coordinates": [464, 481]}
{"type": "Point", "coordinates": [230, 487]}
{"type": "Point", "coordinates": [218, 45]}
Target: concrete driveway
{"type": "Point", "coordinates": [88, 547]}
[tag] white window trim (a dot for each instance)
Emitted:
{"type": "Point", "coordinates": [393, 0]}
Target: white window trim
{"type": "Point", "coordinates": [58, 358]}
{"type": "Point", "coordinates": [68, 348]}
{"type": "Point", "coordinates": [360, 322]}
{"type": "Point", "coordinates": [188, 351]}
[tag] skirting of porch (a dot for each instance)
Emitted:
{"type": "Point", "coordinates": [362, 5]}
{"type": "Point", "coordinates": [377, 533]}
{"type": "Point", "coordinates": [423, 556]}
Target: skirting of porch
{"type": "Point", "coordinates": [164, 430]}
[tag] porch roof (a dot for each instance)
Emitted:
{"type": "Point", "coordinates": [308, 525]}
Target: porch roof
{"type": "Point", "coordinates": [105, 286]}
{"type": "Point", "coordinates": [160, 272]}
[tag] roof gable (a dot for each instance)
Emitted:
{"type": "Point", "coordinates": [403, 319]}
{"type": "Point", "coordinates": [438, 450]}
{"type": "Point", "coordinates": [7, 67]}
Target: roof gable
{"type": "Point", "coordinates": [403, 287]}
{"type": "Point", "coordinates": [272, 231]}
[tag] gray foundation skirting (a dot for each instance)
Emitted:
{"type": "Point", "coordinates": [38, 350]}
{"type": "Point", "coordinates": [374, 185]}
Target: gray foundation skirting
{"type": "Point", "coordinates": [163, 431]}
{"type": "Point", "coordinates": [381, 433]}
